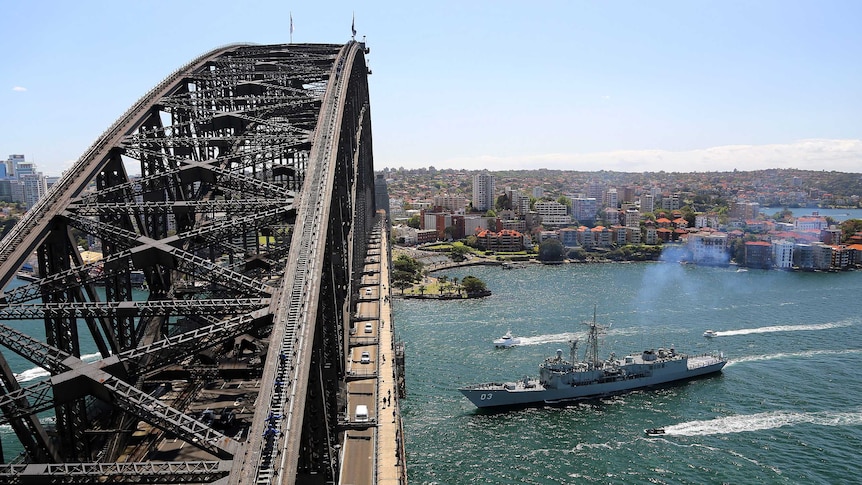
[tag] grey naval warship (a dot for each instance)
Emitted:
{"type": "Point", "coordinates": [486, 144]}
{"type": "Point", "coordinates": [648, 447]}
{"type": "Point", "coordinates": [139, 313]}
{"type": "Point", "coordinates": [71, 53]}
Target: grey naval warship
{"type": "Point", "coordinates": [562, 380]}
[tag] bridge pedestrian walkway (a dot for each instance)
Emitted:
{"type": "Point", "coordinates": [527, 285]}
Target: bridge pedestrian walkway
{"type": "Point", "coordinates": [391, 468]}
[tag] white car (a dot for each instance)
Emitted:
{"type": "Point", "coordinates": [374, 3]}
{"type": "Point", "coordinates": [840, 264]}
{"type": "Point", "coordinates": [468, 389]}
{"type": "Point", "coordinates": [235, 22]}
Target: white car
{"type": "Point", "coordinates": [368, 328]}
{"type": "Point", "coordinates": [368, 291]}
{"type": "Point", "coordinates": [365, 358]}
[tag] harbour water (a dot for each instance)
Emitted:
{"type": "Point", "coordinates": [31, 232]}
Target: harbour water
{"type": "Point", "coordinates": [840, 215]}
{"type": "Point", "coordinates": [787, 409]}
{"type": "Point", "coordinates": [27, 373]}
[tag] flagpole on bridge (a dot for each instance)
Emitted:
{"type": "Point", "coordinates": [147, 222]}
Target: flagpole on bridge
{"type": "Point", "coordinates": [291, 27]}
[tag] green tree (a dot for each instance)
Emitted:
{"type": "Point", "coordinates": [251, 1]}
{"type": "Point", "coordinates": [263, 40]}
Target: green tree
{"type": "Point", "coordinates": [459, 252]}
{"type": "Point", "coordinates": [441, 283]}
{"type": "Point", "coordinates": [490, 213]}
{"type": "Point", "coordinates": [551, 250]}
{"type": "Point", "coordinates": [414, 222]}
{"type": "Point", "coordinates": [578, 254]}
{"type": "Point", "coordinates": [449, 232]}
{"type": "Point", "coordinates": [502, 202]}
{"type": "Point", "coordinates": [400, 283]}
{"type": "Point", "coordinates": [407, 269]}
{"type": "Point", "coordinates": [689, 215]}
{"type": "Point", "coordinates": [473, 285]}
{"type": "Point", "coordinates": [849, 228]}
{"type": "Point", "coordinates": [785, 215]}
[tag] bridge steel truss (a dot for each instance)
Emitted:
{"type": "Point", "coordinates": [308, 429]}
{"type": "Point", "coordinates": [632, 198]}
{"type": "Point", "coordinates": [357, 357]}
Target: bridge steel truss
{"type": "Point", "coordinates": [248, 221]}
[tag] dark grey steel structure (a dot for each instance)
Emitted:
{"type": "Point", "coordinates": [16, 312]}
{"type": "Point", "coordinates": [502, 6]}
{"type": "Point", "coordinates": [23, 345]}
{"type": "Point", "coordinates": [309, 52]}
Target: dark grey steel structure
{"type": "Point", "coordinates": [248, 223]}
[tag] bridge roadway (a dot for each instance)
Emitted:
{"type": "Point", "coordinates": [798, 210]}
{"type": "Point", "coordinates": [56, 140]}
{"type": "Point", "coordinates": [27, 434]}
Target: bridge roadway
{"type": "Point", "coordinates": [373, 447]}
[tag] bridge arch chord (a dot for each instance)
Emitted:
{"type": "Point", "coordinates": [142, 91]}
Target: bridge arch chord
{"type": "Point", "coordinates": [233, 192]}
{"type": "Point", "coordinates": [334, 216]}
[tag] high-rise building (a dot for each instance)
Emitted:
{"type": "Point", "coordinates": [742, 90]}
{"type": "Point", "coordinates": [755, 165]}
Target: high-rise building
{"type": "Point", "coordinates": [612, 198]}
{"type": "Point", "coordinates": [5, 190]}
{"type": "Point", "coordinates": [381, 194]}
{"type": "Point", "coordinates": [595, 190]}
{"type": "Point", "coordinates": [24, 168]}
{"type": "Point", "coordinates": [34, 188]}
{"type": "Point", "coordinates": [744, 210]}
{"type": "Point", "coordinates": [553, 213]}
{"type": "Point", "coordinates": [633, 218]}
{"type": "Point", "coordinates": [453, 203]}
{"type": "Point", "coordinates": [671, 202]}
{"type": "Point", "coordinates": [483, 191]}
{"type": "Point", "coordinates": [12, 164]}
{"type": "Point", "coordinates": [584, 209]}
{"type": "Point", "coordinates": [647, 203]}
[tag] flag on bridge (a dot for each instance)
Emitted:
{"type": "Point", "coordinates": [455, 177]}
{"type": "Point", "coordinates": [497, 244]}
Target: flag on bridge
{"type": "Point", "coordinates": [353, 25]}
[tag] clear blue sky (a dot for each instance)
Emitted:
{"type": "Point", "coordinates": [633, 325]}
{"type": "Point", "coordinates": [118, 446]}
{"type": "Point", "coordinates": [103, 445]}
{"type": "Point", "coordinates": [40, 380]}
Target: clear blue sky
{"type": "Point", "coordinates": [616, 85]}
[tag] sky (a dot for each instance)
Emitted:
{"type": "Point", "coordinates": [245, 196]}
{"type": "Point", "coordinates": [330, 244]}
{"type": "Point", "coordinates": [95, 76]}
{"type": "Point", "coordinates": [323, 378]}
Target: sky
{"type": "Point", "coordinates": [679, 86]}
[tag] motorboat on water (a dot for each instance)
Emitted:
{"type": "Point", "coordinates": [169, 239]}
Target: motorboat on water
{"type": "Point", "coordinates": [654, 431]}
{"type": "Point", "coordinates": [710, 334]}
{"type": "Point", "coordinates": [507, 341]}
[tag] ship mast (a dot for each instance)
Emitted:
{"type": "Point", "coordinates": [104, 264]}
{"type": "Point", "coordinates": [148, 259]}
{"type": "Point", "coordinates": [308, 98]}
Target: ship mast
{"type": "Point", "coordinates": [593, 342]}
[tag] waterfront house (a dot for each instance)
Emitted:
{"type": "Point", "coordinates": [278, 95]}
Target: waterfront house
{"type": "Point", "coordinates": [758, 254]}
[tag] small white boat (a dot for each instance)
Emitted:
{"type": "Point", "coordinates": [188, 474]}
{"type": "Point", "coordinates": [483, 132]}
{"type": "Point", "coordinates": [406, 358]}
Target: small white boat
{"type": "Point", "coordinates": [507, 341]}
{"type": "Point", "coordinates": [710, 334]}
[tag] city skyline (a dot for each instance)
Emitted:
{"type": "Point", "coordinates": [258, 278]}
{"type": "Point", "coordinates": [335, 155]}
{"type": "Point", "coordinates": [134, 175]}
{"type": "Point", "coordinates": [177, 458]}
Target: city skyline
{"type": "Point", "coordinates": [671, 85]}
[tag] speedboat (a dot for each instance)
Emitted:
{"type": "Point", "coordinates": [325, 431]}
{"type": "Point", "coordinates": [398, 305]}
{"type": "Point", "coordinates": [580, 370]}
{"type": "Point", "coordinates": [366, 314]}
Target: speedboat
{"type": "Point", "coordinates": [654, 431]}
{"type": "Point", "coordinates": [506, 341]}
{"type": "Point", "coordinates": [710, 334]}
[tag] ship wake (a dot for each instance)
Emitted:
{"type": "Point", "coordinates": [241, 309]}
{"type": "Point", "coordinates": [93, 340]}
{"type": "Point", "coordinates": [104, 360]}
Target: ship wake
{"type": "Point", "coordinates": [785, 355]}
{"type": "Point", "coordinates": [38, 372]}
{"type": "Point", "coordinates": [782, 328]}
{"type": "Point", "coordinates": [763, 421]}
{"type": "Point", "coordinates": [552, 338]}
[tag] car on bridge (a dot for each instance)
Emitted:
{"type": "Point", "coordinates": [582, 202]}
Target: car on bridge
{"type": "Point", "coordinates": [365, 358]}
{"type": "Point", "coordinates": [361, 414]}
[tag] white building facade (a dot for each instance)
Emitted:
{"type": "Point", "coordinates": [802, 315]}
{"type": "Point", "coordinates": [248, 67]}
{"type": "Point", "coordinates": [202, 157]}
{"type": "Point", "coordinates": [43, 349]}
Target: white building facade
{"type": "Point", "coordinates": [553, 213]}
{"type": "Point", "coordinates": [782, 254]}
{"type": "Point", "coordinates": [483, 191]}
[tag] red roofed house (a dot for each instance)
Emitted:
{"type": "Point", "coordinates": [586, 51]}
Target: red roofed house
{"type": "Point", "coordinates": [506, 240]}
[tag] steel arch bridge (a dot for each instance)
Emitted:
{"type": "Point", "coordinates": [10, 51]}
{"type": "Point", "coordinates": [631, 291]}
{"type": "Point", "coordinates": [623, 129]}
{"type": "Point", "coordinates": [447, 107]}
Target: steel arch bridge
{"type": "Point", "coordinates": [247, 226]}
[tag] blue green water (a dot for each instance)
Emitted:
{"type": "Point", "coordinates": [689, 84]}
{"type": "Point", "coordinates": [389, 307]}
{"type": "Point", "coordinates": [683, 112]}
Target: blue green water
{"type": "Point", "coordinates": [787, 409]}
{"type": "Point", "coordinates": [27, 373]}
{"type": "Point", "coordinates": [839, 215]}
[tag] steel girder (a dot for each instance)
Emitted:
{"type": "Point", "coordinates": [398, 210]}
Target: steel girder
{"type": "Point", "coordinates": [134, 472]}
{"type": "Point", "coordinates": [253, 179]}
